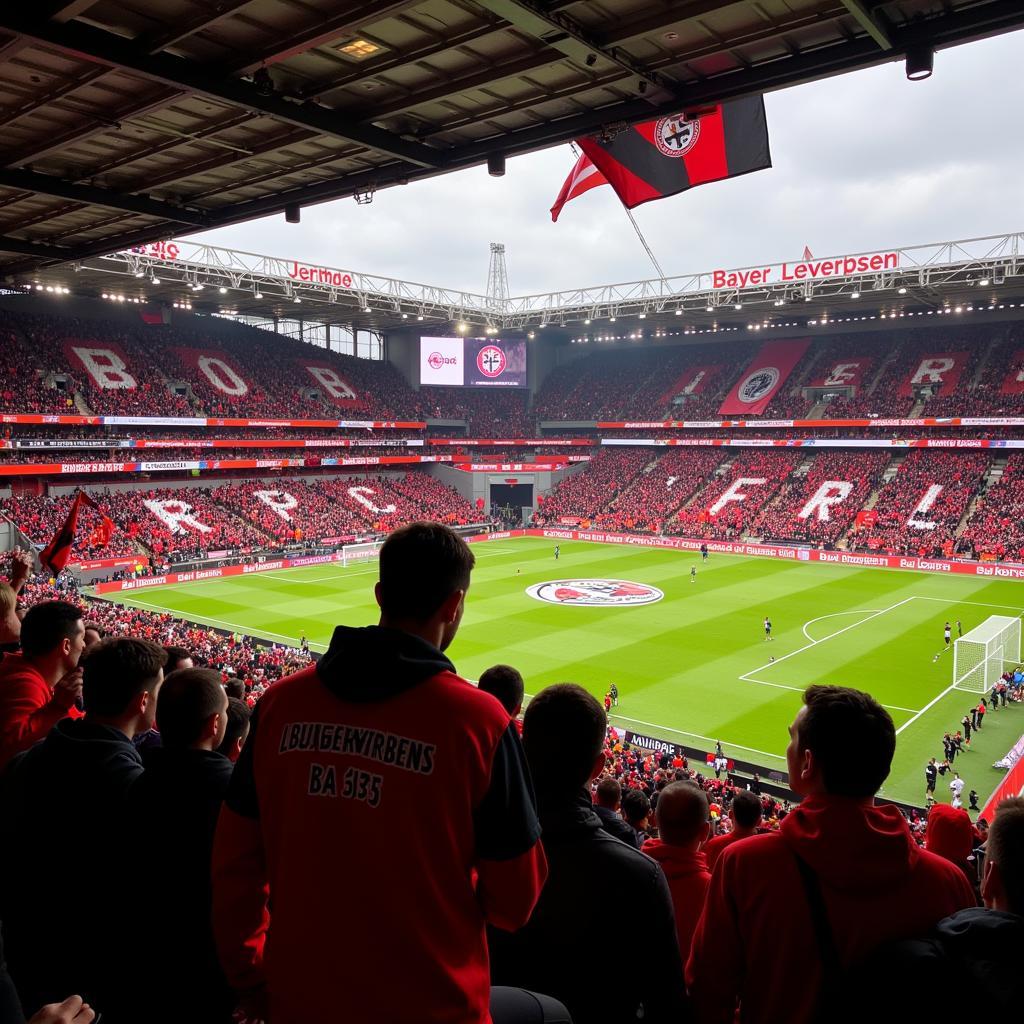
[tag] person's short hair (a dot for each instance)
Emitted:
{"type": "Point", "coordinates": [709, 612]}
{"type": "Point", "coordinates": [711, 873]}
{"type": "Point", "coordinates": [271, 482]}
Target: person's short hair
{"type": "Point", "coordinates": [505, 683]}
{"type": "Point", "coordinates": [235, 688]}
{"type": "Point", "coordinates": [1005, 847]}
{"type": "Point", "coordinates": [609, 792]}
{"type": "Point", "coordinates": [746, 808]}
{"type": "Point", "coordinates": [46, 624]}
{"type": "Point", "coordinates": [174, 655]}
{"type": "Point", "coordinates": [8, 599]}
{"type": "Point", "coordinates": [635, 805]}
{"type": "Point", "coordinates": [238, 722]}
{"type": "Point", "coordinates": [97, 629]}
{"type": "Point", "coordinates": [852, 737]}
{"type": "Point", "coordinates": [563, 733]}
{"type": "Point", "coordinates": [683, 811]}
{"type": "Point", "coordinates": [421, 565]}
{"type": "Point", "coordinates": [116, 670]}
{"type": "Point", "coordinates": [188, 698]}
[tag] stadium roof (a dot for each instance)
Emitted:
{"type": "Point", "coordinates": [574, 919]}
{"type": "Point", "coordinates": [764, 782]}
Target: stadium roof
{"type": "Point", "coordinates": [128, 121]}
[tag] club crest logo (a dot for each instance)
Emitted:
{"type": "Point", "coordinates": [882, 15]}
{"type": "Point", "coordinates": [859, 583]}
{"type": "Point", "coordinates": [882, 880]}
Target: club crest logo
{"type": "Point", "coordinates": [758, 384]}
{"type": "Point", "coordinates": [490, 361]}
{"type": "Point", "coordinates": [595, 593]}
{"type": "Point", "coordinates": [675, 136]}
{"type": "Point", "coordinates": [435, 360]}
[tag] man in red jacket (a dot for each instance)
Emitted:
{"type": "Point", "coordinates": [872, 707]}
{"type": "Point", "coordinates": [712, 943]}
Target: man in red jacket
{"type": "Point", "coordinates": [41, 685]}
{"type": "Point", "coordinates": [745, 813]}
{"type": "Point", "coordinates": [756, 944]}
{"type": "Point", "coordinates": [683, 826]}
{"type": "Point", "coordinates": [379, 817]}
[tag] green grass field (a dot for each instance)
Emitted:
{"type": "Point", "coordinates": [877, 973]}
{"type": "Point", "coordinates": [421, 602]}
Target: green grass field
{"type": "Point", "coordinates": [694, 666]}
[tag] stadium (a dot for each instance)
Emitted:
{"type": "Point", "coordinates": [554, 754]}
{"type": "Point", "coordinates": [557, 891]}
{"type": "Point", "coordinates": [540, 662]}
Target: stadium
{"type": "Point", "coordinates": [766, 521]}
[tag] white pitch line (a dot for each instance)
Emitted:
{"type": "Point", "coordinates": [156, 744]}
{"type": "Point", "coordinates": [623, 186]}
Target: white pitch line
{"type": "Point", "coordinates": [800, 689]}
{"type": "Point", "coordinates": [807, 647]}
{"type": "Point", "coordinates": [975, 604]}
{"type": "Point", "coordinates": [697, 736]}
{"type": "Point", "coordinates": [831, 615]}
{"type": "Point", "coordinates": [927, 707]}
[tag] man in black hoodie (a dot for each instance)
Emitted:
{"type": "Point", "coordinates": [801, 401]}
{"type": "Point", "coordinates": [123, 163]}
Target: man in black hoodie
{"type": "Point", "coordinates": [980, 947]}
{"type": "Point", "coordinates": [64, 847]}
{"type": "Point", "coordinates": [172, 815]}
{"type": "Point", "coordinates": [589, 871]}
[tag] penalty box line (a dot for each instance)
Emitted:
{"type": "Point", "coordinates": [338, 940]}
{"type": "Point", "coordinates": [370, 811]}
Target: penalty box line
{"type": "Point", "coordinates": [749, 677]}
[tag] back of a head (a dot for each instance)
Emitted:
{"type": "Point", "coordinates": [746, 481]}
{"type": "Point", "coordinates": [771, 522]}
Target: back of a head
{"type": "Point", "coordinates": [852, 737]}
{"type": "Point", "coordinates": [609, 793]}
{"type": "Point", "coordinates": [188, 699]}
{"type": "Point", "coordinates": [235, 689]}
{"type": "Point", "coordinates": [46, 625]}
{"type": "Point", "coordinates": [238, 723]}
{"type": "Point", "coordinates": [635, 806]}
{"type": "Point", "coordinates": [175, 658]}
{"type": "Point", "coordinates": [421, 565]}
{"type": "Point", "coordinates": [505, 683]}
{"type": "Point", "coordinates": [746, 809]}
{"type": "Point", "coordinates": [563, 734]}
{"type": "Point", "coordinates": [1005, 848]}
{"type": "Point", "coordinates": [8, 601]}
{"type": "Point", "coordinates": [683, 813]}
{"type": "Point", "coordinates": [116, 670]}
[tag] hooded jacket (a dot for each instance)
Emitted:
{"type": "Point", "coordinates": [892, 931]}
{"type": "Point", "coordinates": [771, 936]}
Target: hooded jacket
{"type": "Point", "coordinates": [755, 942]}
{"type": "Point", "coordinates": [27, 708]}
{"type": "Point", "coordinates": [63, 827]}
{"type": "Point", "coordinates": [688, 879]}
{"type": "Point", "coordinates": [591, 876]}
{"type": "Point", "coordinates": [379, 817]}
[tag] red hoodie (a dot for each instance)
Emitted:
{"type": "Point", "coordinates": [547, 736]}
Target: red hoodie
{"type": "Point", "coordinates": [755, 943]}
{"type": "Point", "coordinates": [27, 708]}
{"type": "Point", "coordinates": [688, 878]}
{"type": "Point", "coordinates": [379, 817]}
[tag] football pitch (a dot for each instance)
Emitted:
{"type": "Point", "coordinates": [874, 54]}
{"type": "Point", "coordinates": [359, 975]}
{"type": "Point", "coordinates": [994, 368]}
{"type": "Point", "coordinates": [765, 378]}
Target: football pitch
{"type": "Point", "coordinates": [693, 666]}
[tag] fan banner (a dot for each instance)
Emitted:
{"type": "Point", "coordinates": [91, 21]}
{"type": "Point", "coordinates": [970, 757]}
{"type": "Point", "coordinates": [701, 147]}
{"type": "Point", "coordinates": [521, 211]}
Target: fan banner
{"type": "Point", "coordinates": [764, 377]}
{"type": "Point", "coordinates": [692, 381]}
{"type": "Point", "coordinates": [843, 373]}
{"type": "Point", "coordinates": [940, 369]}
{"type": "Point", "coordinates": [1013, 383]}
{"type": "Point", "coordinates": [217, 368]}
{"type": "Point", "coordinates": [661, 158]}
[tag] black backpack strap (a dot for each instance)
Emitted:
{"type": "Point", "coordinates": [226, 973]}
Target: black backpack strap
{"type": "Point", "coordinates": [830, 962]}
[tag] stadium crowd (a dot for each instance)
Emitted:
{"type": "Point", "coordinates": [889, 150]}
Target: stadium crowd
{"type": "Point", "coordinates": [125, 730]}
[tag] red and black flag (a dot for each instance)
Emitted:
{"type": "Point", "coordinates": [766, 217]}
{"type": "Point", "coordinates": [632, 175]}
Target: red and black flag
{"type": "Point", "coordinates": [56, 554]}
{"type": "Point", "coordinates": [660, 158]}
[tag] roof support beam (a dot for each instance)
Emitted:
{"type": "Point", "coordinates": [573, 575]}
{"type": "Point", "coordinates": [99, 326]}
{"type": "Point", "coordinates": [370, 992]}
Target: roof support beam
{"type": "Point", "coordinates": [92, 44]}
{"type": "Point", "coordinates": [47, 185]}
{"type": "Point", "coordinates": [868, 22]}
{"type": "Point", "coordinates": [561, 33]}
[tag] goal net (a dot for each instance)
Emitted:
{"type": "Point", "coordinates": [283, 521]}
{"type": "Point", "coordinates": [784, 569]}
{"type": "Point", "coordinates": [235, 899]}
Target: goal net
{"type": "Point", "coordinates": [353, 553]}
{"type": "Point", "coordinates": [982, 655]}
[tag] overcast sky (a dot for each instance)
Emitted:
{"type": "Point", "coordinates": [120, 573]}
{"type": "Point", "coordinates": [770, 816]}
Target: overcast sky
{"type": "Point", "coordinates": [862, 162]}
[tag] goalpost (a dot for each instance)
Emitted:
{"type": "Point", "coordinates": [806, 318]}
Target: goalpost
{"type": "Point", "coordinates": [981, 655]}
{"type": "Point", "coordinates": [354, 553]}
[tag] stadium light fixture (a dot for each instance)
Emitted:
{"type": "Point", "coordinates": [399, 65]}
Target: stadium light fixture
{"type": "Point", "coordinates": [920, 62]}
{"type": "Point", "coordinates": [983, 282]}
{"type": "Point", "coordinates": [257, 294]}
{"type": "Point", "coordinates": [901, 291]}
{"type": "Point", "coordinates": [462, 328]}
{"type": "Point", "coordinates": [222, 290]}
{"type": "Point", "coordinates": [709, 309]}
{"type": "Point", "coordinates": [679, 312]}
{"type": "Point", "coordinates": [855, 294]}
{"type": "Point", "coordinates": [643, 316]}
{"type": "Point", "coordinates": [738, 306]}
{"type": "Point", "coordinates": [296, 300]}
{"type": "Point", "coordinates": [420, 317]}
{"type": "Point", "coordinates": [611, 319]}
{"type": "Point", "coordinates": [542, 326]}
{"type": "Point", "coordinates": [531, 335]}
{"type": "Point", "coordinates": [586, 321]}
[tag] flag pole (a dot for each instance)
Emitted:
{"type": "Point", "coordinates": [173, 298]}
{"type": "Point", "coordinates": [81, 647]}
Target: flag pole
{"type": "Point", "coordinates": [643, 242]}
{"type": "Point", "coordinates": [636, 227]}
